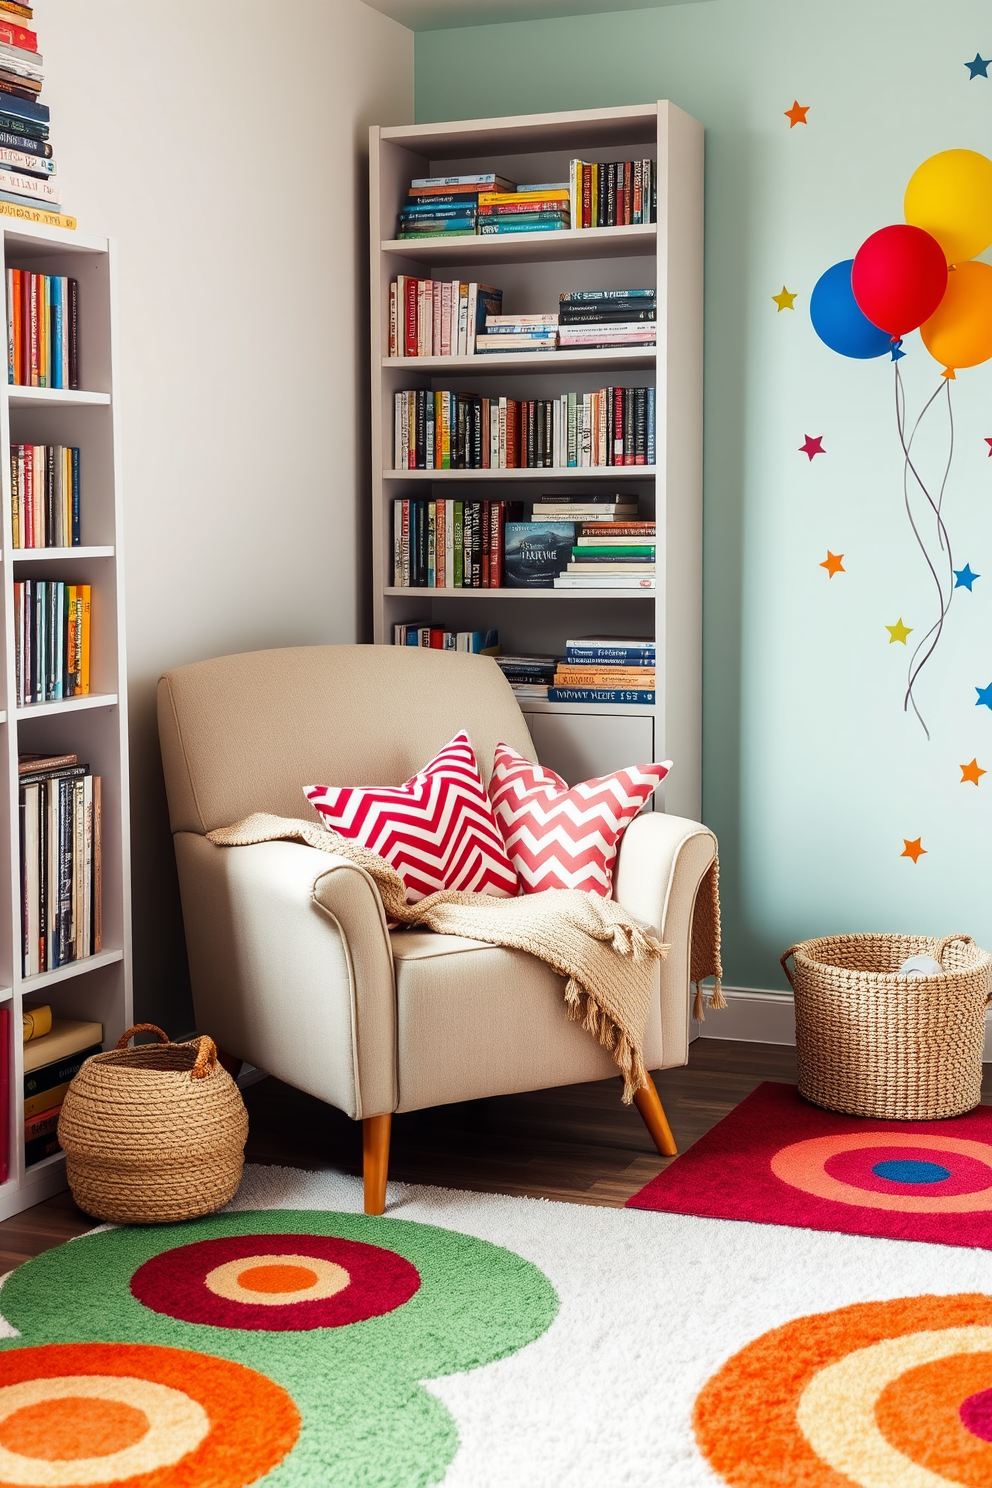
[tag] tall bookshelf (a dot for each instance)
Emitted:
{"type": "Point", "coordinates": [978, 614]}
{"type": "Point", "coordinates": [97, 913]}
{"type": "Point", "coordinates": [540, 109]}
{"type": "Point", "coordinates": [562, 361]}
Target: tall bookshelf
{"type": "Point", "coordinates": [95, 725]}
{"type": "Point", "coordinates": [532, 269]}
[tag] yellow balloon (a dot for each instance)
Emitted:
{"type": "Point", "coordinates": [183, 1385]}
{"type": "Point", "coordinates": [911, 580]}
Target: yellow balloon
{"type": "Point", "coordinates": [959, 332]}
{"type": "Point", "coordinates": [950, 197]}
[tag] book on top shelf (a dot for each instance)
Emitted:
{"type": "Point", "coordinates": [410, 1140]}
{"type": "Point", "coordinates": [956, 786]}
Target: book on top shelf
{"type": "Point", "coordinates": [615, 193]}
{"type": "Point", "coordinates": [27, 187]}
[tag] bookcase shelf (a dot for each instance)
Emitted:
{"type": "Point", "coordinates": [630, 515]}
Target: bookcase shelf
{"type": "Point", "coordinates": [533, 269]}
{"type": "Point", "coordinates": [94, 725]}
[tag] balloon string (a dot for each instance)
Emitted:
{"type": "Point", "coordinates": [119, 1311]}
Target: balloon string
{"type": "Point", "coordinates": [917, 661]}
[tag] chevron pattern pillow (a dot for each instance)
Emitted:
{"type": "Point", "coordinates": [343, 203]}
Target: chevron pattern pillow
{"type": "Point", "coordinates": [561, 837]}
{"type": "Point", "coordinates": [438, 830]}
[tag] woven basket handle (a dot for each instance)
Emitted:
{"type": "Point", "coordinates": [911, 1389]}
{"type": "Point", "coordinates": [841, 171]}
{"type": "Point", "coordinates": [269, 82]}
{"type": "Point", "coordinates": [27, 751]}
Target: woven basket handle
{"type": "Point", "coordinates": [950, 940]}
{"type": "Point", "coordinates": [125, 1038]}
{"type": "Point", "coordinates": [782, 960]}
{"type": "Point", "coordinates": [206, 1059]}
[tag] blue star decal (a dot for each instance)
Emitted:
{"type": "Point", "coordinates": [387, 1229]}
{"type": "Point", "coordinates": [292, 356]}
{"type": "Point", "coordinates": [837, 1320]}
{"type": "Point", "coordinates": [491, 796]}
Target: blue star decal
{"type": "Point", "coordinates": [984, 696]}
{"type": "Point", "coordinates": [978, 68]}
{"type": "Point", "coordinates": [964, 578]}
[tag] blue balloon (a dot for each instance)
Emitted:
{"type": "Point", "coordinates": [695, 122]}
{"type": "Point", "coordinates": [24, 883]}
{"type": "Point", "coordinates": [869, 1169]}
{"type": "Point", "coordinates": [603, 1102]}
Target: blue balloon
{"type": "Point", "coordinates": [839, 321]}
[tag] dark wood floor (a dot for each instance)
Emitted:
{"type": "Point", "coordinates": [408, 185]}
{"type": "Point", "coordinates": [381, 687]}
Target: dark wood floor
{"type": "Point", "coordinates": [577, 1143]}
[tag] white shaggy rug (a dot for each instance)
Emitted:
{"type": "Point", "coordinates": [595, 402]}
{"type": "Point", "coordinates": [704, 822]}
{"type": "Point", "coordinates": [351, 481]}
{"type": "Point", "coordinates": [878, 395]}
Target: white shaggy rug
{"type": "Point", "coordinates": [652, 1305]}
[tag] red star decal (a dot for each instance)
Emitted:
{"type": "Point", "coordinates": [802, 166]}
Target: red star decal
{"type": "Point", "coordinates": [912, 849]}
{"type": "Point", "coordinates": [811, 446]}
{"type": "Point", "coordinates": [989, 443]}
{"type": "Point", "coordinates": [797, 114]}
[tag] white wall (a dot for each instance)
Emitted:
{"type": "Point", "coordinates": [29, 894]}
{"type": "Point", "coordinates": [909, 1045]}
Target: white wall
{"type": "Point", "coordinates": [224, 148]}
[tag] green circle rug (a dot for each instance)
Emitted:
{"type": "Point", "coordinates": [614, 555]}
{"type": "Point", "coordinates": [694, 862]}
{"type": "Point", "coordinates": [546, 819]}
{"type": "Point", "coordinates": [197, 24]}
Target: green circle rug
{"type": "Point", "coordinates": [289, 1345]}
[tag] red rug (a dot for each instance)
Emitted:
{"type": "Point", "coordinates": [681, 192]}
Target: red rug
{"type": "Point", "coordinates": [778, 1160]}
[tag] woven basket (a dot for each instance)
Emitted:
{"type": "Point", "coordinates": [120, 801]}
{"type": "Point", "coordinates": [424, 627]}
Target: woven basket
{"type": "Point", "coordinates": [153, 1134]}
{"type": "Point", "coordinates": [872, 1043]}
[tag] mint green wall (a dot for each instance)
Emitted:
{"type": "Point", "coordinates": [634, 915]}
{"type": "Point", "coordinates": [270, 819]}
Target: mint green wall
{"type": "Point", "coordinates": [813, 775]}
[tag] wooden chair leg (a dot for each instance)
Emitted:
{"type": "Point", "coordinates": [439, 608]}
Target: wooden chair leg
{"type": "Point", "coordinates": [375, 1160]}
{"type": "Point", "coordinates": [648, 1102]}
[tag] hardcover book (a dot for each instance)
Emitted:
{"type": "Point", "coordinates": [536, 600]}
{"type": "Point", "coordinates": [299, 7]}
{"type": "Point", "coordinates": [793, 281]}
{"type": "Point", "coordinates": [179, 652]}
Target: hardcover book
{"type": "Point", "coordinates": [537, 553]}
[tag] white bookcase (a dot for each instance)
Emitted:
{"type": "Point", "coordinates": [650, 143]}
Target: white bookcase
{"type": "Point", "coordinates": [532, 269]}
{"type": "Point", "coordinates": [94, 726]}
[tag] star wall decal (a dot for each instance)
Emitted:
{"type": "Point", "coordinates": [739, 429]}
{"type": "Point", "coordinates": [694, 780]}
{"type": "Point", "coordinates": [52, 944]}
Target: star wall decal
{"type": "Point", "coordinates": [964, 578]}
{"type": "Point", "coordinates": [899, 632]}
{"type": "Point", "coordinates": [913, 848]}
{"type": "Point", "coordinates": [811, 447]}
{"type": "Point", "coordinates": [785, 300]}
{"type": "Point", "coordinates": [978, 68]}
{"type": "Point", "coordinates": [797, 113]}
{"type": "Point", "coordinates": [971, 773]}
{"type": "Point", "coordinates": [988, 441]}
{"type": "Point", "coordinates": [834, 566]}
{"type": "Point", "coordinates": [984, 696]}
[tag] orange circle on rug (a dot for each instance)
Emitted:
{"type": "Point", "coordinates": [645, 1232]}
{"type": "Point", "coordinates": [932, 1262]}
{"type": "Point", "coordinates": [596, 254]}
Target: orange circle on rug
{"type": "Point", "coordinates": [137, 1416]}
{"type": "Point", "coordinates": [835, 1399]}
{"type": "Point", "coordinates": [279, 1279]}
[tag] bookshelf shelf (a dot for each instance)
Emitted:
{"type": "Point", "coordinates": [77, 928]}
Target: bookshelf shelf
{"type": "Point", "coordinates": [561, 472]}
{"type": "Point", "coordinates": [533, 270]}
{"type": "Point", "coordinates": [49, 555]}
{"type": "Point", "coordinates": [68, 705]}
{"type": "Point", "coordinates": [94, 725]}
{"type": "Point", "coordinates": [570, 245]}
{"type": "Point", "coordinates": [31, 985]}
{"type": "Point", "coordinates": [6, 993]}
{"type": "Point", "coordinates": [536, 361]}
{"type": "Point", "coordinates": [39, 397]}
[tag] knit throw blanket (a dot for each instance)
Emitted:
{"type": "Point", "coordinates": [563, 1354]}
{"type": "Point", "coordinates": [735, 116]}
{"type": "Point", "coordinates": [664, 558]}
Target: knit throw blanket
{"type": "Point", "coordinates": [608, 959]}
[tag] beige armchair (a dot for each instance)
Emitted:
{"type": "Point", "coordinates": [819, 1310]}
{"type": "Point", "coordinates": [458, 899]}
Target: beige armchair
{"type": "Point", "coordinates": [293, 968]}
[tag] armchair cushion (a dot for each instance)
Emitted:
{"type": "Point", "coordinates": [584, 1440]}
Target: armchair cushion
{"type": "Point", "coordinates": [566, 838]}
{"type": "Point", "coordinates": [437, 830]}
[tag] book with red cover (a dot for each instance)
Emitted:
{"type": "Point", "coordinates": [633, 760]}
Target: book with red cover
{"type": "Point", "coordinates": [15, 35]}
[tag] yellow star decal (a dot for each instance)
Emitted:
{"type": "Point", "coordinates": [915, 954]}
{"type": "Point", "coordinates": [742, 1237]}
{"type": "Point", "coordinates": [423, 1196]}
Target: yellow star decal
{"type": "Point", "coordinates": [785, 300]}
{"type": "Point", "coordinates": [833, 564]}
{"type": "Point", "coordinates": [971, 772]}
{"type": "Point", "coordinates": [899, 632]}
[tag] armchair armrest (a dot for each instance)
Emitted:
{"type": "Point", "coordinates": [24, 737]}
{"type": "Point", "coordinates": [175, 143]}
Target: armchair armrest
{"type": "Point", "coordinates": [291, 967]}
{"type": "Point", "coordinates": [661, 863]}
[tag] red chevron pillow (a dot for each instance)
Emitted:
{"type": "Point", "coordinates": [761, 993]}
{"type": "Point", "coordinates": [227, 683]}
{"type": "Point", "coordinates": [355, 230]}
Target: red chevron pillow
{"type": "Point", "coordinates": [437, 830]}
{"type": "Point", "coordinates": [559, 837]}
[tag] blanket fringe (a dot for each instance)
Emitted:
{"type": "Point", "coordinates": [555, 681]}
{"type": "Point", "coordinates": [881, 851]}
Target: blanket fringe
{"type": "Point", "coordinates": [580, 1007]}
{"type": "Point", "coordinates": [717, 1000]}
{"type": "Point", "coordinates": [698, 1008]}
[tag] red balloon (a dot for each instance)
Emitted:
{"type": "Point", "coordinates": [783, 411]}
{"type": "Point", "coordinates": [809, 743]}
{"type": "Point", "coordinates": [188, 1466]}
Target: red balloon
{"type": "Point", "coordinates": [899, 277]}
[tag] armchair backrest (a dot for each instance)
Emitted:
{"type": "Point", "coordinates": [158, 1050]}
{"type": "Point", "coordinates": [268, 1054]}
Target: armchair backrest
{"type": "Point", "coordinates": [246, 733]}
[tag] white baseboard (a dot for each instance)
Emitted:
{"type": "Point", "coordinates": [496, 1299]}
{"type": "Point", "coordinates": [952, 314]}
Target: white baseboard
{"type": "Point", "coordinates": [756, 1017]}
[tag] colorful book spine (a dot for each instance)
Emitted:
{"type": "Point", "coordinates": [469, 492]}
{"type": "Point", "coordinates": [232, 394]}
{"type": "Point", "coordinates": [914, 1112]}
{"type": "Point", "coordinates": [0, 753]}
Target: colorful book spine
{"type": "Point", "coordinates": [44, 495]}
{"type": "Point", "coordinates": [61, 870]}
{"type": "Point", "coordinates": [42, 329]}
{"type": "Point", "coordinates": [599, 695]}
{"type": "Point", "coordinates": [51, 640]}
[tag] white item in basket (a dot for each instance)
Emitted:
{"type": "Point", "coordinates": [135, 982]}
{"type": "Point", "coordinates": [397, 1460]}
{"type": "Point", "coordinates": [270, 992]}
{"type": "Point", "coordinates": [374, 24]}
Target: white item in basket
{"type": "Point", "coordinates": [921, 966]}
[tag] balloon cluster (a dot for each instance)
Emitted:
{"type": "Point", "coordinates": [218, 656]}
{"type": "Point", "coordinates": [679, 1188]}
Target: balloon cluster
{"type": "Point", "coordinates": [919, 273]}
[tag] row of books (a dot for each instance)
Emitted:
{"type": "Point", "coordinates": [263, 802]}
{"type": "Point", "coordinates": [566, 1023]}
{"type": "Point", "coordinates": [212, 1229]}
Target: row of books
{"type": "Point", "coordinates": [51, 640]}
{"type": "Point", "coordinates": [596, 194]}
{"type": "Point", "coordinates": [422, 633]}
{"type": "Point", "coordinates": [435, 317]}
{"type": "Point", "coordinates": [50, 1064]}
{"type": "Point", "coordinates": [594, 669]}
{"type": "Point", "coordinates": [444, 430]}
{"type": "Point", "coordinates": [448, 544]}
{"type": "Point", "coordinates": [61, 864]}
{"type": "Point", "coordinates": [42, 330]}
{"type": "Point", "coordinates": [44, 495]}
{"type": "Point", "coordinates": [613, 193]}
{"type": "Point", "coordinates": [27, 169]}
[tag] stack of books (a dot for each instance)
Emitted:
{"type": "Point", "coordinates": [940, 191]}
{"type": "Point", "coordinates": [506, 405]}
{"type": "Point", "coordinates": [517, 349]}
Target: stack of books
{"type": "Point", "coordinates": [614, 193]}
{"type": "Point", "coordinates": [602, 318]}
{"type": "Point", "coordinates": [505, 333]}
{"type": "Point", "coordinates": [42, 329]}
{"type": "Point", "coordinates": [612, 554]}
{"type": "Point", "coordinates": [44, 496]}
{"type": "Point", "coordinates": [27, 170]}
{"type": "Point", "coordinates": [61, 861]}
{"type": "Point", "coordinates": [440, 544]}
{"type": "Point", "coordinates": [443, 430]}
{"type": "Point", "coordinates": [605, 669]}
{"type": "Point", "coordinates": [541, 208]}
{"type": "Point", "coordinates": [51, 640]}
{"type": "Point", "coordinates": [529, 676]}
{"type": "Point", "coordinates": [435, 317]}
{"type": "Point", "coordinates": [422, 633]}
{"type": "Point", "coordinates": [447, 206]}
{"type": "Point", "coordinates": [561, 544]}
{"type": "Point", "coordinates": [51, 1061]}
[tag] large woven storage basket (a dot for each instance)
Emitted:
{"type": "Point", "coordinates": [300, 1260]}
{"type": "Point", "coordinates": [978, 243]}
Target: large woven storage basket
{"type": "Point", "coordinates": [153, 1134]}
{"type": "Point", "coordinates": [872, 1043]}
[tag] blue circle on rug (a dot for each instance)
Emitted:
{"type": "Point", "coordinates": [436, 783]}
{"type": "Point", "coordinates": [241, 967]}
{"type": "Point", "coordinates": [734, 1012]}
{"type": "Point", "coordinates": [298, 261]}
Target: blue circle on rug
{"type": "Point", "coordinates": [905, 1170]}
